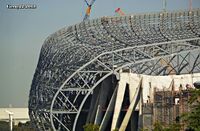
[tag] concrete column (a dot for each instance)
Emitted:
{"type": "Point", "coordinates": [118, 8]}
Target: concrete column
{"type": "Point", "coordinates": [106, 87]}
{"type": "Point", "coordinates": [119, 100]}
{"type": "Point", "coordinates": [93, 106]}
{"type": "Point", "coordinates": [133, 83]}
{"type": "Point", "coordinates": [131, 108]}
{"type": "Point", "coordinates": [109, 111]}
{"type": "Point", "coordinates": [140, 119]}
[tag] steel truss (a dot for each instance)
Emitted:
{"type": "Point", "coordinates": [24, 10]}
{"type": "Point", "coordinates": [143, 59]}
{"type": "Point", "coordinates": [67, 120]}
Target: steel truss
{"type": "Point", "coordinates": [75, 60]}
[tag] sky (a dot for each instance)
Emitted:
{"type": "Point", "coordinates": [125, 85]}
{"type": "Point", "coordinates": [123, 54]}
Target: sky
{"type": "Point", "coordinates": [23, 31]}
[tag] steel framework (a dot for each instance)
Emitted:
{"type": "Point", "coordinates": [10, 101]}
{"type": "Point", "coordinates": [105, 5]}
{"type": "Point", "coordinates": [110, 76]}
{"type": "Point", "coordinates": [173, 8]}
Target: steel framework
{"type": "Point", "coordinates": [75, 60]}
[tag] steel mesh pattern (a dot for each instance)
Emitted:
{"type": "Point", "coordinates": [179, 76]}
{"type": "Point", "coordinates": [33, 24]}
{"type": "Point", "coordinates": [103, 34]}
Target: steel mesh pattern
{"type": "Point", "coordinates": [75, 59]}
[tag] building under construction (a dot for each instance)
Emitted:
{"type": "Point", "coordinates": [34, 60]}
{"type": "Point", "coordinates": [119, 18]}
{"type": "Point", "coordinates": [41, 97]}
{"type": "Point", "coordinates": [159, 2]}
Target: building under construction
{"type": "Point", "coordinates": [125, 72]}
{"type": "Point", "coordinates": [167, 107]}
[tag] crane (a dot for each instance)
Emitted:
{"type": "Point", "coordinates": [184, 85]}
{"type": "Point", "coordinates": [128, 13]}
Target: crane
{"type": "Point", "coordinates": [88, 10]}
{"type": "Point", "coordinates": [119, 11]}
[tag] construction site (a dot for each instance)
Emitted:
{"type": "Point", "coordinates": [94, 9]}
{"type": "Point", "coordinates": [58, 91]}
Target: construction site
{"type": "Point", "coordinates": [167, 105]}
{"type": "Point", "coordinates": [123, 72]}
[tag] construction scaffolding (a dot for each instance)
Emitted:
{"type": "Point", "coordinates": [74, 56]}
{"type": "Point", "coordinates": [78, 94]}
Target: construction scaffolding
{"type": "Point", "coordinates": [147, 119]}
{"type": "Point", "coordinates": [166, 108]}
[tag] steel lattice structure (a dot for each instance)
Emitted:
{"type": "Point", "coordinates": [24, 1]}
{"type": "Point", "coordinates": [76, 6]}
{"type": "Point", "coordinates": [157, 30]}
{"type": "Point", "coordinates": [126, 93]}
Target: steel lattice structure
{"type": "Point", "coordinates": [75, 60]}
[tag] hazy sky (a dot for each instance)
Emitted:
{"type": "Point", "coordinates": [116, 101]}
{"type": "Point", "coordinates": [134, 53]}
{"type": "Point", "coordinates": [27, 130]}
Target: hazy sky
{"type": "Point", "coordinates": [22, 33]}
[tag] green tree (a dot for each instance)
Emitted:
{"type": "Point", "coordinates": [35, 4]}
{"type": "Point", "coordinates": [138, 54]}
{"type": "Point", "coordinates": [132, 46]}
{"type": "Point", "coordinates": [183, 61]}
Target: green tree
{"type": "Point", "coordinates": [4, 126]}
{"type": "Point", "coordinates": [91, 127]}
{"type": "Point", "coordinates": [173, 127]}
{"type": "Point", "coordinates": [24, 127]}
{"type": "Point", "coordinates": [158, 126]}
{"type": "Point", "coordinates": [192, 119]}
{"type": "Point", "coordinates": [143, 129]}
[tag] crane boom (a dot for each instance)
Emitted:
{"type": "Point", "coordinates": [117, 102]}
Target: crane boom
{"type": "Point", "coordinates": [88, 10]}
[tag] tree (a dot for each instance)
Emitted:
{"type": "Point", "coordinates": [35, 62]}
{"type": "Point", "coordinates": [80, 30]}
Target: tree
{"type": "Point", "coordinates": [158, 126]}
{"type": "Point", "coordinates": [173, 127]}
{"type": "Point", "coordinates": [4, 126]}
{"type": "Point", "coordinates": [91, 127]}
{"type": "Point", "coordinates": [24, 127]}
{"type": "Point", "coordinates": [193, 117]}
{"type": "Point", "coordinates": [143, 129]}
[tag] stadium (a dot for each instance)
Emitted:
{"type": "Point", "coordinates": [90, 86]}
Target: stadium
{"type": "Point", "coordinates": [120, 72]}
